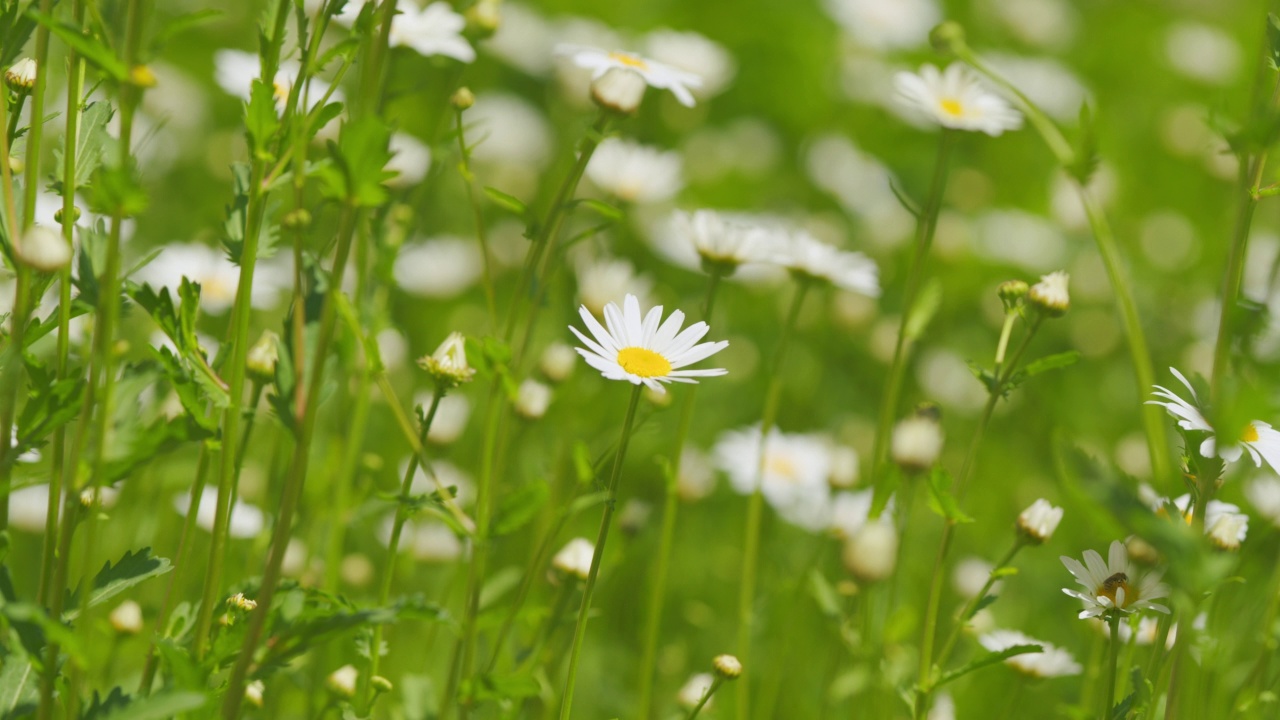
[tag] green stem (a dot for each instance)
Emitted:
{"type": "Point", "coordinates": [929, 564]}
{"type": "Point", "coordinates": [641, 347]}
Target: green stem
{"type": "Point", "coordinates": [1010, 317]}
{"type": "Point", "coordinates": [706, 698]}
{"type": "Point", "coordinates": [296, 477]}
{"type": "Point", "coordinates": [926, 224]}
{"type": "Point", "coordinates": [468, 179]}
{"type": "Point", "coordinates": [967, 613]}
{"type": "Point", "coordinates": [580, 629]}
{"type": "Point", "coordinates": [755, 504]}
{"type": "Point", "coordinates": [35, 133]}
{"type": "Point", "coordinates": [12, 370]}
{"type": "Point", "coordinates": [393, 546]}
{"type": "Point", "coordinates": [666, 542]}
{"type": "Point", "coordinates": [1109, 698]}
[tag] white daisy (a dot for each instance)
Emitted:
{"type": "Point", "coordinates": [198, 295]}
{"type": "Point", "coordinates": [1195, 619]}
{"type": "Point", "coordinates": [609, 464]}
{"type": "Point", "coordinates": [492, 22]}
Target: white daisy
{"type": "Point", "coordinates": [721, 240]}
{"type": "Point", "coordinates": [1113, 584]}
{"type": "Point", "coordinates": [695, 54]}
{"type": "Point", "coordinates": [692, 691]}
{"type": "Point", "coordinates": [656, 74]}
{"type": "Point", "coordinates": [246, 520]}
{"type": "Point", "coordinates": [433, 30]}
{"type": "Point", "coordinates": [893, 25]}
{"type": "Point", "coordinates": [1264, 493]}
{"type": "Point", "coordinates": [645, 349]}
{"type": "Point", "coordinates": [410, 160]}
{"type": "Point", "coordinates": [441, 267]}
{"type": "Point", "coordinates": [217, 275]}
{"type": "Point", "coordinates": [809, 257]}
{"type": "Point", "coordinates": [235, 71]}
{"type": "Point", "coordinates": [1038, 521]}
{"type": "Point", "coordinates": [635, 173]}
{"type": "Point", "coordinates": [1260, 439]}
{"type": "Point", "coordinates": [574, 559]}
{"type": "Point", "coordinates": [955, 98]}
{"type": "Point", "coordinates": [1050, 662]}
{"type": "Point", "coordinates": [792, 475]}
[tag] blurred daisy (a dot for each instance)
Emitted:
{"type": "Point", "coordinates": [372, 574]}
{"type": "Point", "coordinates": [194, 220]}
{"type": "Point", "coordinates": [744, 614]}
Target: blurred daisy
{"type": "Point", "coordinates": [695, 54]}
{"type": "Point", "coordinates": [635, 173]}
{"type": "Point", "coordinates": [441, 267]}
{"type": "Point", "coordinates": [691, 692]}
{"type": "Point", "coordinates": [954, 98]}
{"type": "Point", "coordinates": [1113, 584]}
{"type": "Point", "coordinates": [810, 258]}
{"type": "Point", "coordinates": [433, 30]}
{"type": "Point", "coordinates": [656, 74]}
{"type": "Point", "coordinates": [246, 520]}
{"type": "Point", "coordinates": [426, 540]}
{"type": "Point", "coordinates": [721, 241]}
{"type": "Point", "coordinates": [1260, 439]}
{"type": "Point", "coordinates": [645, 349]}
{"type": "Point", "coordinates": [792, 475]}
{"type": "Point", "coordinates": [29, 506]}
{"type": "Point", "coordinates": [1264, 493]}
{"type": "Point", "coordinates": [1050, 662]}
{"type": "Point", "coordinates": [609, 280]}
{"type": "Point", "coordinates": [217, 275]}
{"type": "Point", "coordinates": [235, 71]}
{"type": "Point", "coordinates": [885, 25]}
{"type": "Point", "coordinates": [410, 160]}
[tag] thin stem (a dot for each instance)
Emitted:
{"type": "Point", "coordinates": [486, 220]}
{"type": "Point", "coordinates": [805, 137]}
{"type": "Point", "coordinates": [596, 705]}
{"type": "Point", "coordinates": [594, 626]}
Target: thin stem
{"type": "Point", "coordinates": [1109, 698]}
{"type": "Point", "coordinates": [926, 224]}
{"type": "Point", "coordinates": [12, 371]}
{"type": "Point", "coordinates": [468, 179]}
{"type": "Point", "coordinates": [755, 504]}
{"type": "Point", "coordinates": [706, 697]}
{"type": "Point", "coordinates": [393, 546]}
{"type": "Point", "coordinates": [1010, 317]}
{"type": "Point", "coordinates": [972, 605]}
{"type": "Point", "coordinates": [580, 629]}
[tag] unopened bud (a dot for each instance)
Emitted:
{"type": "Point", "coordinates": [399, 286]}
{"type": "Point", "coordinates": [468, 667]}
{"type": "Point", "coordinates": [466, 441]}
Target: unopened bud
{"type": "Point", "coordinates": [342, 682]}
{"type": "Point", "coordinates": [727, 667]}
{"type": "Point", "coordinates": [381, 684]}
{"type": "Point", "coordinates": [463, 98]}
{"type": "Point", "coordinates": [1038, 522]}
{"type": "Point", "coordinates": [299, 219]}
{"type": "Point", "coordinates": [483, 18]}
{"type": "Point", "coordinates": [260, 362]}
{"type": "Point", "coordinates": [44, 249]}
{"type": "Point", "coordinates": [240, 602]}
{"type": "Point", "coordinates": [1050, 294]}
{"type": "Point", "coordinates": [574, 559]}
{"type": "Point", "coordinates": [75, 215]}
{"type": "Point", "coordinates": [16, 165]}
{"type": "Point", "coordinates": [619, 90]}
{"type": "Point", "coordinates": [532, 400]}
{"type": "Point", "coordinates": [126, 618]}
{"type": "Point", "coordinates": [1011, 291]}
{"type": "Point", "coordinates": [947, 37]}
{"type": "Point", "coordinates": [557, 361]}
{"type": "Point", "coordinates": [916, 442]}
{"type": "Point", "coordinates": [253, 693]}
{"type": "Point", "coordinates": [21, 75]}
{"type": "Point", "coordinates": [872, 552]}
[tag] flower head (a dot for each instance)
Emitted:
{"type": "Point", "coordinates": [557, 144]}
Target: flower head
{"type": "Point", "coordinates": [723, 242]}
{"type": "Point", "coordinates": [954, 98]}
{"type": "Point", "coordinates": [433, 30]}
{"type": "Point", "coordinates": [1260, 439]}
{"type": "Point", "coordinates": [727, 667]}
{"type": "Point", "coordinates": [1113, 585]}
{"type": "Point", "coordinates": [126, 618]}
{"type": "Point", "coordinates": [619, 90]}
{"type": "Point", "coordinates": [916, 442]}
{"type": "Point", "coordinates": [1050, 662]}
{"type": "Point", "coordinates": [635, 173]}
{"type": "Point", "coordinates": [1050, 294]}
{"type": "Point", "coordinates": [645, 349]}
{"type": "Point", "coordinates": [342, 682]}
{"type": "Point", "coordinates": [574, 559]}
{"type": "Point", "coordinates": [1038, 522]}
{"type": "Point", "coordinates": [791, 474]}
{"type": "Point", "coordinates": [43, 249]}
{"type": "Point", "coordinates": [1228, 530]}
{"type": "Point", "coordinates": [656, 74]}
{"type": "Point", "coordinates": [21, 75]}
{"type": "Point", "coordinates": [260, 361]}
{"type": "Point", "coordinates": [448, 364]}
{"type": "Point", "coordinates": [871, 553]}
{"type": "Point", "coordinates": [810, 258]}
{"type": "Point", "coordinates": [532, 399]}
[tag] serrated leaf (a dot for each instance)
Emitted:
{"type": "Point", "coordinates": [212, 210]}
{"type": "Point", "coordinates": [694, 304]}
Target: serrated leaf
{"type": "Point", "coordinates": [260, 119]}
{"type": "Point", "coordinates": [519, 507]}
{"type": "Point", "coordinates": [507, 202]}
{"type": "Point", "coordinates": [982, 661]}
{"type": "Point", "coordinates": [111, 580]}
{"type": "Point", "coordinates": [92, 144]}
{"type": "Point", "coordinates": [18, 681]}
{"type": "Point", "coordinates": [1051, 362]}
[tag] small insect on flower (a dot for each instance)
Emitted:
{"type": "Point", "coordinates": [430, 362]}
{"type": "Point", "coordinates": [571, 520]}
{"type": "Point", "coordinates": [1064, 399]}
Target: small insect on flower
{"type": "Point", "coordinates": [1113, 584]}
{"type": "Point", "coordinates": [646, 350]}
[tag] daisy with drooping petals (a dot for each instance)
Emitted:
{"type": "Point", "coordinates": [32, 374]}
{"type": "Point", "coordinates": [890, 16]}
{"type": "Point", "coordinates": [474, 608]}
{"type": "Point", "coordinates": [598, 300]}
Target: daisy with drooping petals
{"type": "Point", "coordinates": [646, 349]}
{"type": "Point", "coordinates": [1050, 662]}
{"type": "Point", "coordinates": [1259, 438]}
{"type": "Point", "coordinates": [810, 258]}
{"type": "Point", "coordinates": [656, 74]}
{"type": "Point", "coordinates": [1113, 584]}
{"type": "Point", "coordinates": [634, 172]}
{"type": "Point", "coordinates": [955, 98]}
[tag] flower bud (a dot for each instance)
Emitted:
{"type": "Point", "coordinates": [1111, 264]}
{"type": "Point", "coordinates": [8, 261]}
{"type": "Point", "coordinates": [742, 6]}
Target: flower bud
{"type": "Point", "coordinates": [299, 219]}
{"type": "Point", "coordinates": [1038, 522]}
{"type": "Point", "coordinates": [381, 684]}
{"type": "Point", "coordinates": [916, 442]}
{"type": "Point", "coordinates": [557, 361]}
{"type": "Point", "coordinates": [1011, 291]}
{"type": "Point", "coordinates": [75, 215]}
{"type": "Point", "coordinates": [253, 693]}
{"type": "Point", "coordinates": [21, 75]}
{"type": "Point", "coordinates": [574, 559]}
{"type": "Point", "coordinates": [463, 98]}
{"type": "Point", "coordinates": [727, 667]}
{"type": "Point", "coordinates": [619, 90]}
{"type": "Point", "coordinates": [483, 18]}
{"type": "Point", "coordinates": [142, 76]}
{"type": "Point", "coordinates": [448, 364]}
{"type": "Point", "coordinates": [1050, 294]}
{"type": "Point", "coordinates": [16, 164]}
{"type": "Point", "coordinates": [532, 400]}
{"type": "Point", "coordinates": [44, 249]}
{"type": "Point", "coordinates": [342, 682]}
{"type": "Point", "coordinates": [947, 37]}
{"type": "Point", "coordinates": [260, 362]}
{"type": "Point", "coordinates": [240, 602]}
{"type": "Point", "coordinates": [872, 552]}
{"type": "Point", "coordinates": [126, 618]}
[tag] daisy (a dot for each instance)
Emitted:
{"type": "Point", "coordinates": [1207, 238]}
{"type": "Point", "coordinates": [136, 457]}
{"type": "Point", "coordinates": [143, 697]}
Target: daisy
{"type": "Point", "coordinates": [1114, 584]}
{"type": "Point", "coordinates": [808, 257]}
{"type": "Point", "coordinates": [792, 475]}
{"type": "Point", "coordinates": [433, 30]}
{"type": "Point", "coordinates": [1259, 438]}
{"type": "Point", "coordinates": [1264, 494]}
{"type": "Point", "coordinates": [645, 349]}
{"type": "Point", "coordinates": [881, 25]}
{"type": "Point", "coordinates": [235, 71]}
{"type": "Point", "coordinates": [609, 280]}
{"type": "Point", "coordinates": [1050, 662]}
{"type": "Point", "coordinates": [246, 520]}
{"type": "Point", "coordinates": [217, 276]}
{"type": "Point", "coordinates": [721, 241]}
{"type": "Point", "coordinates": [656, 74]}
{"type": "Point", "coordinates": [635, 173]}
{"type": "Point", "coordinates": [694, 54]}
{"type": "Point", "coordinates": [954, 98]}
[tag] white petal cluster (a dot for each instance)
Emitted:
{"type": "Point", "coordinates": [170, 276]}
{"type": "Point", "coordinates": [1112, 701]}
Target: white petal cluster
{"type": "Point", "coordinates": [792, 473]}
{"type": "Point", "coordinates": [246, 520]}
{"type": "Point", "coordinates": [1050, 662]}
{"type": "Point", "coordinates": [955, 98]}
{"type": "Point", "coordinates": [574, 559]}
{"type": "Point", "coordinates": [1050, 294]}
{"type": "Point", "coordinates": [1038, 522]}
{"type": "Point", "coordinates": [1259, 439]}
{"type": "Point", "coordinates": [635, 173]}
{"type": "Point", "coordinates": [432, 30]}
{"type": "Point", "coordinates": [448, 364]}
{"type": "Point", "coordinates": [656, 74]}
{"type": "Point", "coordinates": [1113, 584]}
{"type": "Point", "coordinates": [235, 71]}
{"type": "Point", "coordinates": [885, 24]}
{"type": "Point", "coordinates": [810, 258]}
{"type": "Point", "coordinates": [721, 240]}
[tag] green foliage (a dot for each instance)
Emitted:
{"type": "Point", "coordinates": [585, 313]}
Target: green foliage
{"type": "Point", "coordinates": [91, 48]}
{"type": "Point", "coordinates": [133, 568]}
{"type": "Point", "coordinates": [941, 501]}
{"type": "Point", "coordinates": [93, 144]}
{"type": "Point", "coordinates": [359, 160]}
{"type": "Point", "coordinates": [986, 660]}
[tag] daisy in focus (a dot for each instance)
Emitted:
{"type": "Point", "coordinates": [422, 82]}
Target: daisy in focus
{"type": "Point", "coordinates": [646, 350]}
{"type": "Point", "coordinates": [656, 75]}
{"type": "Point", "coordinates": [1260, 439]}
{"type": "Point", "coordinates": [1050, 662]}
{"type": "Point", "coordinates": [955, 98]}
{"type": "Point", "coordinates": [1113, 584]}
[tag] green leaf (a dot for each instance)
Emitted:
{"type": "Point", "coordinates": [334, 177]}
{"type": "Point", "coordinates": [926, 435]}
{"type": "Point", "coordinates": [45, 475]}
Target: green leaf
{"type": "Point", "coordinates": [1085, 161]}
{"type": "Point", "coordinates": [260, 119]}
{"type": "Point", "coordinates": [51, 405]}
{"type": "Point", "coordinates": [18, 680]}
{"type": "Point", "coordinates": [91, 48]}
{"type": "Point", "coordinates": [941, 501]}
{"type": "Point", "coordinates": [519, 507]}
{"type": "Point", "coordinates": [504, 687]}
{"type": "Point", "coordinates": [1273, 40]}
{"type": "Point", "coordinates": [1052, 362]}
{"type": "Point", "coordinates": [907, 203]}
{"type": "Point", "coordinates": [16, 26]}
{"type": "Point", "coordinates": [603, 209]}
{"type": "Point", "coordinates": [180, 24]}
{"type": "Point", "coordinates": [93, 144]}
{"type": "Point", "coordinates": [111, 580]}
{"type": "Point", "coordinates": [982, 661]}
{"type": "Point", "coordinates": [360, 157]}
{"type": "Point", "coordinates": [980, 605]}
{"type": "Point", "coordinates": [507, 202]}
{"type": "Point", "coordinates": [159, 707]}
{"type": "Point", "coordinates": [823, 594]}
{"type": "Point", "coordinates": [115, 189]}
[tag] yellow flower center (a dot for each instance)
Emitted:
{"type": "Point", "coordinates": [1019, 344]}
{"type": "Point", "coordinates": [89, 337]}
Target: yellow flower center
{"type": "Point", "coordinates": [643, 362]}
{"type": "Point", "coordinates": [629, 60]}
{"type": "Point", "coordinates": [780, 465]}
{"type": "Point", "coordinates": [952, 107]}
{"type": "Point", "coordinates": [280, 91]}
{"type": "Point", "coordinates": [1114, 583]}
{"type": "Point", "coordinates": [1250, 433]}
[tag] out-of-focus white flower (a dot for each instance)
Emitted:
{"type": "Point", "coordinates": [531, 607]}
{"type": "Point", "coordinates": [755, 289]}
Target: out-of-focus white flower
{"type": "Point", "coordinates": [810, 258]}
{"type": "Point", "coordinates": [885, 24]}
{"type": "Point", "coordinates": [441, 267]}
{"type": "Point", "coordinates": [970, 576]}
{"type": "Point", "coordinates": [508, 130]}
{"type": "Point", "coordinates": [1202, 52]}
{"type": "Point", "coordinates": [657, 74]}
{"type": "Point", "coordinates": [1228, 530]}
{"type": "Point", "coordinates": [635, 173]}
{"type": "Point", "coordinates": [1258, 438]}
{"type": "Point", "coordinates": [410, 160]}
{"type": "Point", "coordinates": [235, 71]}
{"type": "Point", "coordinates": [126, 618]}
{"type": "Point", "coordinates": [723, 241]}
{"type": "Point", "coordinates": [1045, 23]}
{"type": "Point", "coordinates": [451, 417]}
{"type": "Point", "coordinates": [861, 184]}
{"type": "Point", "coordinates": [619, 90]}
{"type": "Point", "coordinates": [246, 520]}
{"type": "Point", "coordinates": [218, 276]}
{"type": "Point", "coordinates": [1011, 236]}
{"type": "Point", "coordinates": [357, 570]}
{"type": "Point", "coordinates": [524, 39]}
{"type": "Point", "coordinates": [43, 248]}
{"type": "Point", "coordinates": [944, 708]}
{"type": "Point", "coordinates": [532, 399]}
{"type": "Point", "coordinates": [342, 682]}
{"type": "Point", "coordinates": [1038, 522]}
{"type": "Point", "coordinates": [558, 360]}
{"type": "Point", "coordinates": [254, 691]}
{"type": "Point", "coordinates": [609, 280]}
{"type": "Point", "coordinates": [426, 540]}
{"type": "Point", "coordinates": [692, 691]}
{"type": "Point", "coordinates": [697, 477]}
{"type": "Point", "coordinates": [1114, 584]}
{"type": "Point", "coordinates": [1050, 662]}
{"type": "Point", "coordinates": [1050, 294]}
{"type": "Point", "coordinates": [850, 510]}
{"type": "Point", "coordinates": [1048, 83]}
{"type": "Point", "coordinates": [574, 559]}
{"type": "Point", "coordinates": [29, 506]}
{"type": "Point", "coordinates": [792, 476]}
{"type": "Point", "coordinates": [844, 466]}
{"type": "Point", "coordinates": [695, 54]}
{"type": "Point", "coordinates": [432, 30]}
{"type": "Point", "coordinates": [916, 442]}
{"type": "Point", "coordinates": [955, 98]}
{"type": "Point", "coordinates": [1264, 493]}
{"type": "Point", "coordinates": [872, 553]}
